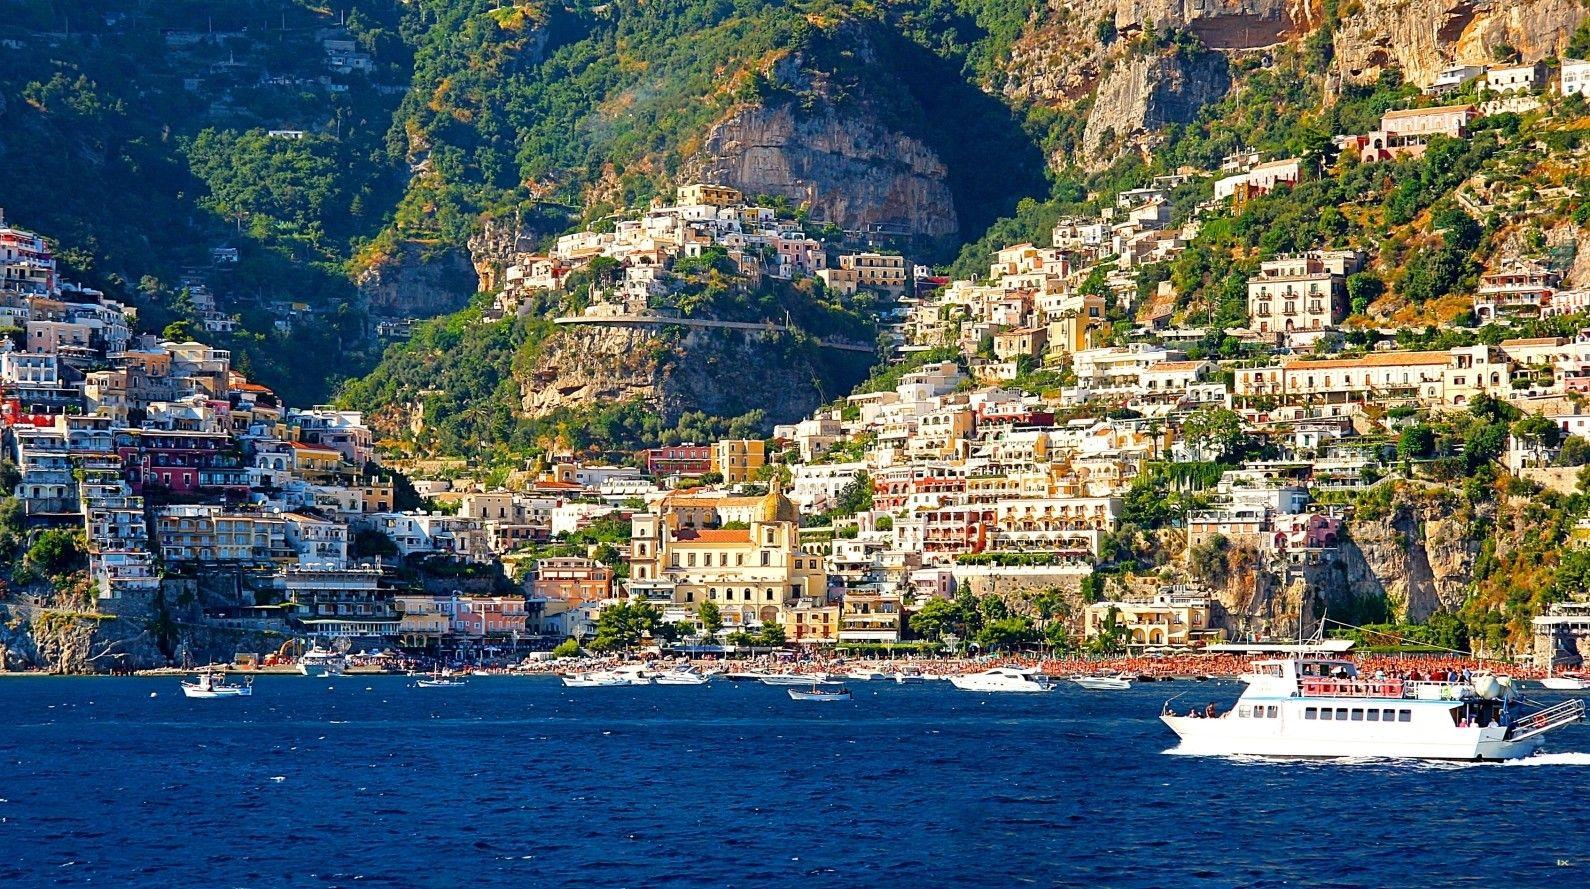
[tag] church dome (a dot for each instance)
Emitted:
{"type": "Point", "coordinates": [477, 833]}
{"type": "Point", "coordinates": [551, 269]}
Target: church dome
{"type": "Point", "coordinates": [776, 507]}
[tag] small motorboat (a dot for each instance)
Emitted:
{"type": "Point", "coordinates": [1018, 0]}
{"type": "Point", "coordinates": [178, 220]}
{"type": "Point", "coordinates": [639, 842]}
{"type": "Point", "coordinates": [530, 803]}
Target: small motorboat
{"type": "Point", "coordinates": [439, 682]}
{"type": "Point", "coordinates": [794, 679]}
{"type": "Point", "coordinates": [866, 676]}
{"type": "Point", "coordinates": [819, 693]}
{"type": "Point", "coordinates": [590, 680]}
{"type": "Point", "coordinates": [909, 676]}
{"type": "Point", "coordinates": [681, 676]}
{"type": "Point", "coordinates": [209, 684]}
{"type": "Point", "coordinates": [1102, 683]}
{"type": "Point", "coordinates": [1564, 683]}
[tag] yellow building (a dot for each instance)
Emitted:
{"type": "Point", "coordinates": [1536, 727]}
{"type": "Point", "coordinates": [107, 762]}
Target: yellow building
{"type": "Point", "coordinates": [755, 574]}
{"type": "Point", "coordinates": [1169, 620]}
{"type": "Point", "coordinates": [738, 459]}
{"type": "Point", "coordinates": [702, 193]}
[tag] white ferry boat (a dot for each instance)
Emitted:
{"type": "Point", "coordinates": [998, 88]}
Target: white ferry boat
{"type": "Point", "coordinates": [1322, 708]}
{"type": "Point", "coordinates": [1002, 679]}
{"type": "Point", "coordinates": [680, 676]}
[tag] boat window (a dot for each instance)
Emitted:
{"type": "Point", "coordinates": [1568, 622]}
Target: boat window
{"type": "Point", "coordinates": [1324, 713]}
{"type": "Point", "coordinates": [1274, 712]}
{"type": "Point", "coordinates": [1341, 713]}
{"type": "Point", "coordinates": [1311, 713]}
{"type": "Point", "coordinates": [1404, 715]}
{"type": "Point", "coordinates": [1243, 712]}
{"type": "Point", "coordinates": [1374, 715]}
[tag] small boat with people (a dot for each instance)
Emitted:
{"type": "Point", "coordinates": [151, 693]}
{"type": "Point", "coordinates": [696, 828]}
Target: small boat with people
{"type": "Point", "coordinates": [820, 692]}
{"type": "Point", "coordinates": [1003, 679]}
{"type": "Point", "coordinates": [213, 684]}
{"type": "Point", "coordinates": [1322, 707]}
{"type": "Point", "coordinates": [439, 679]}
{"type": "Point", "coordinates": [866, 676]}
{"type": "Point", "coordinates": [1103, 683]}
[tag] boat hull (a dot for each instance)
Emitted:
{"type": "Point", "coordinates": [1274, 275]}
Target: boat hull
{"type": "Point", "coordinates": [819, 696]}
{"type": "Point", "coordinates": [1564, 683]}
{"type": "Point", "coordinates": [1102, 683]}
{"type": "Point", "coordinates": [1226, 737]}
{"type": "Point", "coordinates": [680, 680]}
{"type": "Point", "coordinates": [971, 684]}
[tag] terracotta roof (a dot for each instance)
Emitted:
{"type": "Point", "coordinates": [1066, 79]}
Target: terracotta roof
{"type": "Point", "coordinates": [1173, 366]}
{"type": "Point", "coordinates": [1535, 341]}
{"type": "Point", "coordinates": [1374, 359]}
{"type": "Point", "coordinates": [1411, 112]}
{"type": "Point", "coordinates": [714, 535]}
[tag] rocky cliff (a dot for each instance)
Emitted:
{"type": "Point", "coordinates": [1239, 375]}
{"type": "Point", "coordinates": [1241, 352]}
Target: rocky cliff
{"type": "Point", "coordinates": [418, 280]}
{"type": "Point", "coordinates": [1421, 37]}
{"type": "Point", "coordinates": [673, 370]}
{"type": "Point", "coordinates": [851, 170]}
{"type": "Point", "coordinates": [1143, 93]}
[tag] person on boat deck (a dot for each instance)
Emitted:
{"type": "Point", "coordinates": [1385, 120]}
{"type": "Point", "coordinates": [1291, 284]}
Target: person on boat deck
{"type": "Point", "coordinates": [1210, 712]}
{"type": "Point", "coordinates": [1194, 714]}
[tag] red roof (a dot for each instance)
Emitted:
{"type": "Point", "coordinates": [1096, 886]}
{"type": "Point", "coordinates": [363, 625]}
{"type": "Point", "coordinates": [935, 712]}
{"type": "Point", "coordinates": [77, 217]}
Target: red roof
{"type": "Point", "coordinates": [715, 535]}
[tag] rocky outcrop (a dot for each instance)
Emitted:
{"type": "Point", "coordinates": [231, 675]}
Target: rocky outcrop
{"type": "Point", "coordinates": [725, 373]}
{"type": "Point", "coordinates": [848, 168]}
{"type": "Point", "coordinates": [418, 281]}
{"type": "Point", "coordinates": [1143, 93]}
{"type": "Point", "coordinates": [1421, 37]}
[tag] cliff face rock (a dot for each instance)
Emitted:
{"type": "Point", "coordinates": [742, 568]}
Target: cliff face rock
{"type": "Point", "coordinates": [415, 284]}
{"type": "Point", "coordinates": [1424, 36]}
{"type": "Point", "coordinates": [851, 170]}
{"type": "Point", "coordinates": [1420, 560]}
{"type": "Point", "coordinates": [722, 372]}
{"type": "Point", "coordinates": [1144, 93]}
{"type": "Point", "coordinates": [1222, 24]}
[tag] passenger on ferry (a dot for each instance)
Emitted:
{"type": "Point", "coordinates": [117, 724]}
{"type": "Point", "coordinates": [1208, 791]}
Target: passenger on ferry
{"type": "Point", "coordinates": [1210, 712]}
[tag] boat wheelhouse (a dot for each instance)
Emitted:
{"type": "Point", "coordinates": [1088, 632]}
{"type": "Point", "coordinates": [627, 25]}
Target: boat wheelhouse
{"type": "Point", "coordinates": [1323, 708]}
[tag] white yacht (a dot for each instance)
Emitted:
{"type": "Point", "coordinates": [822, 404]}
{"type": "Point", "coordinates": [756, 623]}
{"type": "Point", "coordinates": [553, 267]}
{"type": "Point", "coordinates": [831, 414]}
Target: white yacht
{"type": "Point", "coordinates": [633, 674]}
{"type": "Point", "coordinates": [210, 684]}
{"type": "Point", "coordinates": [1564, 683]}
{"type": "Point", "coordinates": [680, 676]}
{"type": "Point", "coordinates": [1322, 708]}
{"type": "Point", "coordinates": [596, 679]}
{"type": "Point", "coordinates": [866, 676]}
{"type": "Point", "coordinates": [794, 678]}
{"type": "Point", "coordinates": [319, 661]}
{"type": "Point", "coordinates": [1102, 683]}
{"type": "Point", "coordinates": [1007, 679]}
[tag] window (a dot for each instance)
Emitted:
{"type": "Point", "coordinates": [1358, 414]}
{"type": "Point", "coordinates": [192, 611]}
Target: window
{"type": "Point", "coordinates": [1274, 711]}
{"type": "Point", "coordinates": [1358, 714]}
{"type": "Point", "coordinates": [1312, 713]}
{"type": "Point", "coordinates": [1404, 715]}
{"type": "Point", "coordinates": [713, 594]}
{"type": "Point", "coordinates": [1374, 715]}
{"type": "Point", "coordinates": [1245, 713]}
{"type": "Point", "coordinates": [1325, 713]}
{"type": "Point", "coordinates": [1341, 713]}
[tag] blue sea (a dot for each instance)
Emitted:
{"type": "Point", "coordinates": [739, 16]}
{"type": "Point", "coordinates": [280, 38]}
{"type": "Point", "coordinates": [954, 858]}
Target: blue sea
{"type": "Point", "coordinates": [519, 782]}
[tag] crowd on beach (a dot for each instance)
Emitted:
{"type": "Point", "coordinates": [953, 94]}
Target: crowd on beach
{"type": "Point", "coordinates": [1185, 665]}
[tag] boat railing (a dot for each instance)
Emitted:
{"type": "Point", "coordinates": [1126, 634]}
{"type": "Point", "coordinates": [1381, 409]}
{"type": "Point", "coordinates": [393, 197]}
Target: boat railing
{"type": "Point", "coordinates": [1555, 716]}
{"type": "Point", "coordinates": [1322, 687]}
